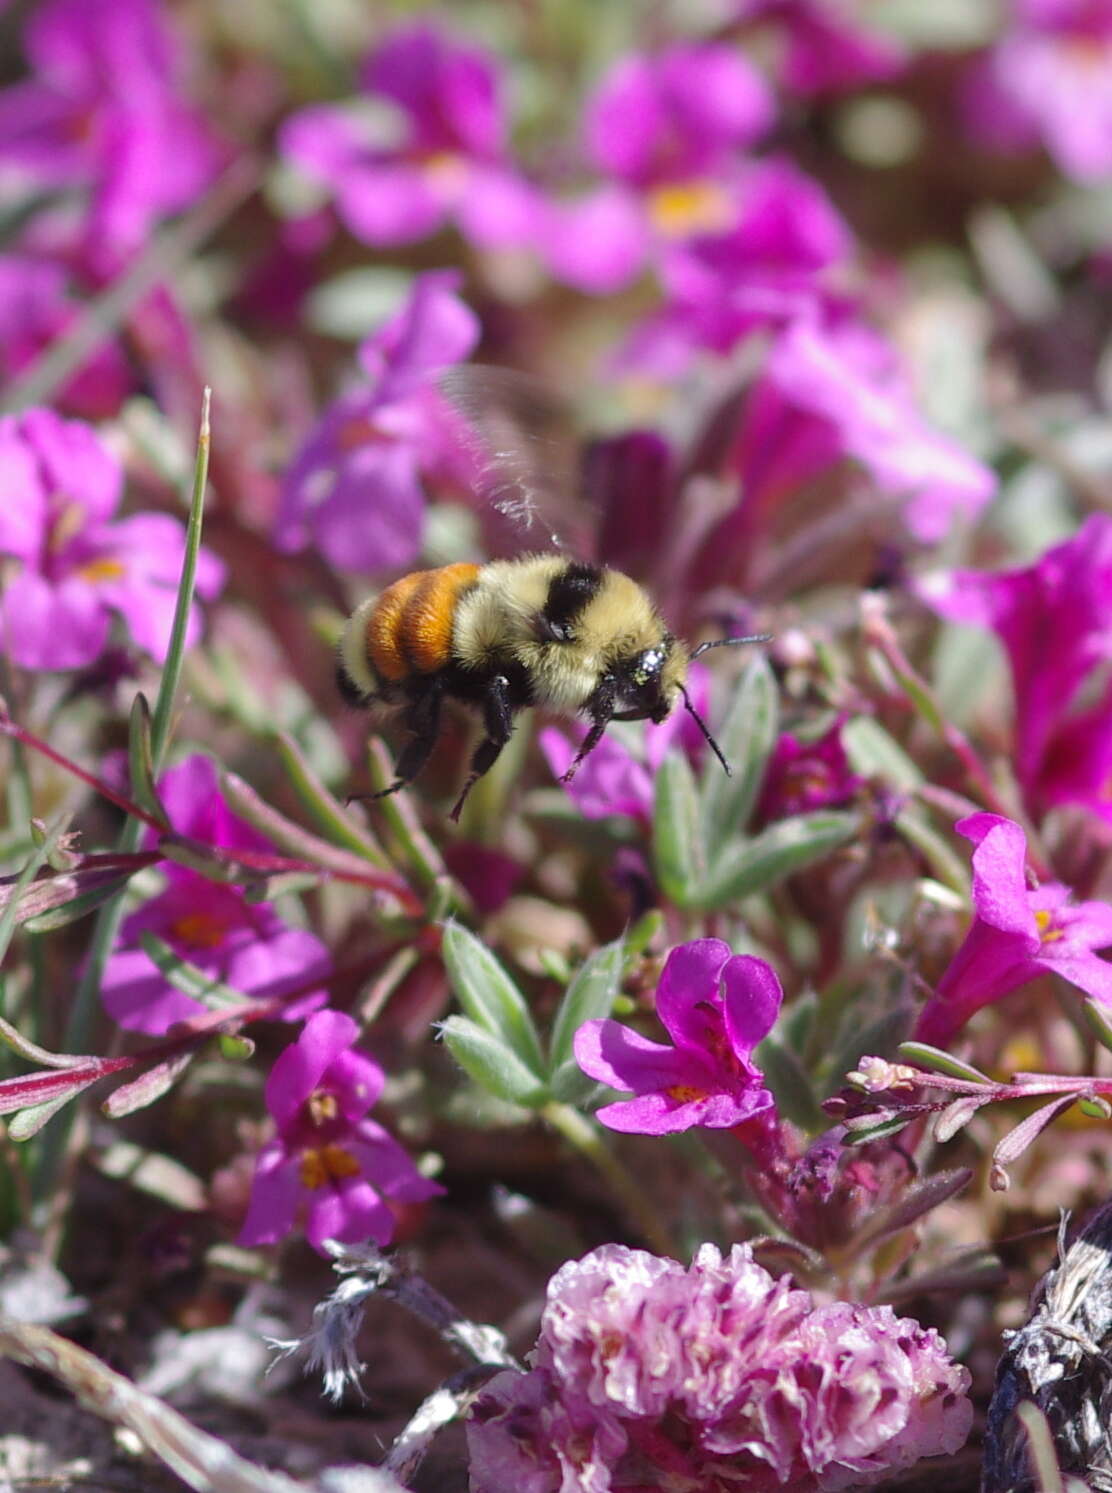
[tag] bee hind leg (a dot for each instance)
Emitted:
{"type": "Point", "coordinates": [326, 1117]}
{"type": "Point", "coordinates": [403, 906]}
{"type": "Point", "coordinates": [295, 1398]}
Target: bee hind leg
{"type": "Point", "coordinates": [498, 718]}
{"type": "Point", "coordinates": [423, 722]}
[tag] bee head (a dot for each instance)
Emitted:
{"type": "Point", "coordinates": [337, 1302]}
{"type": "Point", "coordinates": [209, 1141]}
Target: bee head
{"type": "Point", "coordinates": [649, 682]}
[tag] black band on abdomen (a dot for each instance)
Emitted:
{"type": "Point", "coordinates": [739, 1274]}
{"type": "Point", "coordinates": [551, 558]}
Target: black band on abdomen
{"type": "Point", "coordinates": [570, 591]}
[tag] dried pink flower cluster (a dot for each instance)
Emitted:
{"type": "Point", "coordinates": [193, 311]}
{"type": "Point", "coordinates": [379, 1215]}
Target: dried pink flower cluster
{"type": "Point", "coordinates": [717, 1377]}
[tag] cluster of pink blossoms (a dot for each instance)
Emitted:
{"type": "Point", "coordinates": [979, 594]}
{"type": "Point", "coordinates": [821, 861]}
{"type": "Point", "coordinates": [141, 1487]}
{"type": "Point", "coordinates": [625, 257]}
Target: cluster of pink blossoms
{"type": "Point", "coordinates": [717, 1377]}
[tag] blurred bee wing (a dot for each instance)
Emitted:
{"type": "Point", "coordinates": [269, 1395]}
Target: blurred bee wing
{"type": "Point", "coordinates": [521, 443]}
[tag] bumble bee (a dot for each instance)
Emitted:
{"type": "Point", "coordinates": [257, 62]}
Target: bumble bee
{"type": "Point", "coordinates": [541, 630]}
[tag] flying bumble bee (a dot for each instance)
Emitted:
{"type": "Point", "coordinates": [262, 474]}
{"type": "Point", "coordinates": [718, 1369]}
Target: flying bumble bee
{"type": "Point", "coordinates": [542, 630]}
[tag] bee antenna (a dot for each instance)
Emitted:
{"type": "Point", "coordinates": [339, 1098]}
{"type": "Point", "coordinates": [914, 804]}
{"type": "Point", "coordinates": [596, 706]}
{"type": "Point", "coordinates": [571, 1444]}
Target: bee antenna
{"type": "Point", "coordinates": [756, 637]}
{"type": "Point", "coordinates": [701, 723]}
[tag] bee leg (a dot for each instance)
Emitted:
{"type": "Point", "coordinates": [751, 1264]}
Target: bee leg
{"type": "Point", "coordinates": [498, 718]}
{"type": "Point", "coordinates": [423, 722]}
{"type": "Point", "coordinates": [601, 708]}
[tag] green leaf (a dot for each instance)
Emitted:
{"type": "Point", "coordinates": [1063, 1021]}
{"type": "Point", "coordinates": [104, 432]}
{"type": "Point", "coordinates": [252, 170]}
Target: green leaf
{"type": "Point", "coordinates": [934, 1060]}
{"type": "Point", "coordinates": [785, 847]}
{"type": "Point", "coordinates": [29, 1121]}
{"type": "Point", "coordinates": [874, 753]}
{"type": "Point", "coordinates": [590, 995]}
{"type": "Point", "coordinates": [678, 852]}
{"type": "Point", "coordinates": [10, 916]}
{"type": "Point", "coordinates": [791, 1086]}
{"type": "Point", "coordinates": [337, 822]}
{"type": "Point", "coordinates": [76, 906]}
{"type": "Point", "coordinates": [746, 739]}
{"type": "Point", "coordinates": [493, 1065]}
{"type": "Point", "coordinates": [1099, 1021]}
{"type": "Point", "coordinates": [490, 997]}
{"type": "Point", "coordinates": [141, 761]}
{"type": "Point", "coordinates": [148, 1087]}
{"type": "Point", "coordinates": [187, 978]}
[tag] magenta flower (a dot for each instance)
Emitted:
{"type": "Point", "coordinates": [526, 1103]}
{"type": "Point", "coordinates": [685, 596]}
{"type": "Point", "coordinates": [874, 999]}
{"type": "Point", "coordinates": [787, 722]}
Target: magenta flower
{"type": "Point", "coordinates": [1055, 623]}
{"type": "Point", "coordinates": [1048, 81]}
{"type": "Point", "coordinates": [439, 153]}
{"type": "Point", "coordinates": [824, 47]}
{"type": "Point", "coordinates": [832, 400]}
{"type": "Point", "coordinates": [103, 114]}
{"type": "Point", "coordinates": [665, 133]}
{"type": "Point", "coordinates": [247, 945]}
{"type": "Point", "coordinates": [35, 309]}
{"type": "Point", "coordinates": [806, 775]}
{"type": "Point", "coordinates": [717, 1377]}
{"type": "Point", "coordinates": [73, 565]}
{"type": "Point", "coordinates": [716, 1007]}
{"type": "Point", "coordinates": [328, 1161]}
{"type": "Point", "coordinates": [617, 778]}
{"type": "Point", "coordinates": [780, 260]}
{"type": "Point", "coordinates": [1018, 933]}
{"type": "Point", "coordinates": [354, 489]}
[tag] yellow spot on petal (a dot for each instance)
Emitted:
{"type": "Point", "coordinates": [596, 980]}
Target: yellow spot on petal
{"type": "Point", "coordinates": [105, 569]}
{"type": "Point", "coordinates": [322, 1106]}
{"type": "Point", "coordinates": [201, 930]}
{"type": "Point", "coordinates": [683, 208]}
{"type": "Point", "coordinates": [447, 173]}
{"type": "Point", "coordinates": [1048, 933]}
{"type": "Point", "coordinates": [324, 1164]}
{"type": "Point", "coordinates": [683, 1093]}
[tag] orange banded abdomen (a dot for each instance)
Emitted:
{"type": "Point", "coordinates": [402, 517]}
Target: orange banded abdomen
{"type": "Point", "coordinates": [409, 630]}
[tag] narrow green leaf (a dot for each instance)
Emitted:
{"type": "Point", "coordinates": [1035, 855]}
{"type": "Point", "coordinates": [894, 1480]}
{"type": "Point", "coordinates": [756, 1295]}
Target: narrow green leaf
{"type": "Point", "coordinates": [141, 760]}
{"type": "Point", "coordinates": [746, 738]}
{"type": "Point", "coordinates": [187, 978]}
{"type": "Point", "coordinates": [934, 1060]}
{"type": "Point", "coordinates": [490, 997]}
{"type": "Point", "coordinates": [590, 995]}
{"type": "Point", "coordinates": [785, 847]}
{"type": "Point", "coordinates": [73, 908]}
{"type": "Point", "coordinates": [29, 1122]}
{"type": "Point", "coordinates": [493, 1065]}
{"type": "Point", "coordinates": [338, 823]}
{"type": "Point", "coordinates": [10, 917]}
{"type": "Point", "coordinates": [791, 1086]}
{"type": "Point", "coordinates": [875, 754]}
{"type": "Point", "coordinates": [175, 653]}
{"type": "Point", "coordinates": [641, 935]}
{"type": "Point", "coordinates": [12, 1037]}
{"type": "Point", "coordinates": [1101, 1024]}
{"type": "Point", "coordinates": [862, 1135]}
{"type": "Point", "coordinates": [678, 852]}
{"type": "Point", "coordinates": [1095, 1106]}
{"type": "Point", "coordinates": [148, 1087]}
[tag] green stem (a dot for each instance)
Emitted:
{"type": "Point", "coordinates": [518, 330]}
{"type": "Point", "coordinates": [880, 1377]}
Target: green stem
{"type": "Point", "coordinates": [579, 1132]}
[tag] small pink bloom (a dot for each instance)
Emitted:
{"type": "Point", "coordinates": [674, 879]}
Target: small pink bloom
{"type": "Point", "coordinates": [806, 775]}
{"type": "Point", "coordinates": [246, 945]}
{"type": "Point", "coordinates": [437, 153]}
{"type": "Point", "coordinates": [354, 488]}
{"type": "Point", "coordinates": [1018, 933]}
{"type": "Point", "coordinates": [76, 564]}
{"type": "Point", "coordinates": [716, 1007]}
{"type": "Point", "coordinates": [328, 1163]}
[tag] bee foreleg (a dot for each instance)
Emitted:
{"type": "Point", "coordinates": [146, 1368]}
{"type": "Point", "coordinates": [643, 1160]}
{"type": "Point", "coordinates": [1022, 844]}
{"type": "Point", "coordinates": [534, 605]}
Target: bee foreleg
{"type": "Point", "coordinates": [600, 707]}
{"type": "Point", "coordinates": [498, 718]}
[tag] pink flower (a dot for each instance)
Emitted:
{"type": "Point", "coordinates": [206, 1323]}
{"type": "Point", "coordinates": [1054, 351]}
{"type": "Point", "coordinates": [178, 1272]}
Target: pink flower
{"type": "Point", "coordinates": [439, 153]}
{"type": "Point", "coordinates": [246, 945]}
{"type": "Point", "coordinates": [831, 398]}
{"type": "Point", "coordinates": [805, 775]}
{"type": "Point", "coordinates": [717, 1377]}
{"type": "Point", "coordinates": [1054, 621]}
{"type": "Point", "coordinates": [665, 133]}
{"type": "Point", "coordinates": [826, 46]}
{"type": "Point", "coordinates": [779, 260]}
{"type": "Point", "coordinates": [617, 778]}
{"type": "Point", "coordinates": [354, 488]}
{"type": "Point", "coordinates": [103, 114]}
{"type": "Point", "coordinates": [716, 1007]}
{"type": "Point", "coordinates": [75, 565]}
{"type": "Point", "coordinates": [1048, 81]}
{"type": "Point", "coordinates": [328, 1161]}
{"type": "Point", "coordinates": [1018, 933]}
